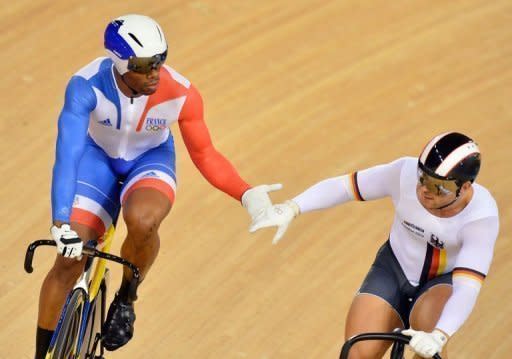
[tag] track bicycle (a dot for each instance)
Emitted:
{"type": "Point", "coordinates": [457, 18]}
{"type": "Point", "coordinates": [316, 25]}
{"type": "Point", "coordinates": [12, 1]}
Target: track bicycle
{"type": "Point", "coordinates": [397, 350]}
{"type": "Point", "coordinates": [78, 332]}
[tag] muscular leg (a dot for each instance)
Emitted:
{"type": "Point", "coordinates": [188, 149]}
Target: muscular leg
{"type": "Point", "coordinates": [57, 284]}
{"type": "Point", "coordinates": [369, 313]}
{"type": "Point", "coordinates": [143, 211]}
{"type": "Point", "coordinates": [146, 201]}
{"type": "Point", "coordinates": [427, 310]}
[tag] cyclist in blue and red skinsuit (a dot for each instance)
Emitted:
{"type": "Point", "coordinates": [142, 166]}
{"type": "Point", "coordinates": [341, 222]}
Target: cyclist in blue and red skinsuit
{"type": "Point", "coordinates": [115, 150]}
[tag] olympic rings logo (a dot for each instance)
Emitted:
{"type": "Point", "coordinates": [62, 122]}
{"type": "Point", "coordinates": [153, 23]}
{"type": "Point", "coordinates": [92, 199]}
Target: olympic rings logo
{"type": "Point", "coordinates": [156, 124]}
{"type": "Point", "coordinates": [150, 127]}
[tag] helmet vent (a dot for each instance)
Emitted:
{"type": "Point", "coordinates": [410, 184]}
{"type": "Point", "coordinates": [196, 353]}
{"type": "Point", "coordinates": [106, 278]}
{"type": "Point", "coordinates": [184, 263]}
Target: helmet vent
{"type": "Point", "coordinates": [135, 39]}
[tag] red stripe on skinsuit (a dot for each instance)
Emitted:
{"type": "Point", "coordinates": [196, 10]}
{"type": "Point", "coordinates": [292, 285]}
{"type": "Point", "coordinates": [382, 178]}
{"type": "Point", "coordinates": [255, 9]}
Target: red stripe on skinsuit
{"type": "Point", "coordinates": [157, 184]}
{"type": "Point", "coordinates": [88, 219]}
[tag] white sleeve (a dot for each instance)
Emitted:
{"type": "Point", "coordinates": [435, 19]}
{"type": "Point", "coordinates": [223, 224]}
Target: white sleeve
{"type": "Point", "coordinates": [372, 183]}
{"type": "Point", "coordinates": [380, 181]}
{"type": "Point", "coordinates": [471, 267]}
{"type": "Point", "coordinates": [478, 239]}
{"type": "Point", "coordinates": [458, 308]}
{"type": "Point", "coordinates": [327, 193]}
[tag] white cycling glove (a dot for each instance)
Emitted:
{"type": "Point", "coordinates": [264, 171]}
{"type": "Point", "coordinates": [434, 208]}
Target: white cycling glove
{"type": "Point", "coordinates": [426, 344]}
{"type": "Point", "coordinates": [68, 243]}
{"type": "Point", "coordinates": [279, 215]}
{"type": "Point", "coordinates": [256, 199]}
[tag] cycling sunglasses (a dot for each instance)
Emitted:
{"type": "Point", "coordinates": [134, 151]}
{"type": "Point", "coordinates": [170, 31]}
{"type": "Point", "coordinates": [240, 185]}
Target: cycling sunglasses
{"type": "Point", "coordinates": [144, 65]}
{"type": "Point", "coordinates": [437, 186]}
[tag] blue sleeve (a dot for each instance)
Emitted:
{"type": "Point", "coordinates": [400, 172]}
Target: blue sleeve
{"type": "Point", "coordinates": [73, 123]}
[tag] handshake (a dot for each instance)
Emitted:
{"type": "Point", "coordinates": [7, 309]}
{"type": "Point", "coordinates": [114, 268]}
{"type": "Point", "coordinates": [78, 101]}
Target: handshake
{"type": "Point", "coordinates": [264, 214]}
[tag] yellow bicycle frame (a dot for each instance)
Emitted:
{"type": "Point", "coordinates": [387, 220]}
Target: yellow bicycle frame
{"type": "Point", "coordinates": [99, 271]}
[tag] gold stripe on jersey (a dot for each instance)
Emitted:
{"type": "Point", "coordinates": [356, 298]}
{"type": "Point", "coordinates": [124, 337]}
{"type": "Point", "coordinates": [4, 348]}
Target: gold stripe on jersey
{"type": "Point", "coordinates": [442, 261]}
{"type": "Point", "coordinates": [355, 187]}
{"type": "Point", "coordinates": [469, 273]}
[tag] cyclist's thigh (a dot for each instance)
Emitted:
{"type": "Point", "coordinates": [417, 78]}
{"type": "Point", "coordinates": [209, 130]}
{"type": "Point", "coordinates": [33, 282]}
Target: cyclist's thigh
{"type": "Point", "coordinates": [153, 171]}
{"type": "Point", "coordinates": [96, 201]}
{"type": "Point", "coordinates": [430, 302]}
{"type": "Point", "coordinates": [370, 313]}
{"type": "Point", "coordinates": [377, 307]}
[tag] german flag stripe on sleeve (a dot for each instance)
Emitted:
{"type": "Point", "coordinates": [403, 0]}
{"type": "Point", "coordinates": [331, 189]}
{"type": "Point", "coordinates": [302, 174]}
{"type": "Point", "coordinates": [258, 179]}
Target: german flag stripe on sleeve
{"type": "Point", "coordinates": [355, 187]}
{"type": "Point", "coordinates": [469, 273]}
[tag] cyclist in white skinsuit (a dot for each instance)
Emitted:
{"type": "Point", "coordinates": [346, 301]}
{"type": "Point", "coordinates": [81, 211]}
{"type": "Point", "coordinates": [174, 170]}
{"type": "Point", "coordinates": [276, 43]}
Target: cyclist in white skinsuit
{"type": "Point", "coordinates": [427, 276]}
{"type": "Point", "coordinates": [115, 150]}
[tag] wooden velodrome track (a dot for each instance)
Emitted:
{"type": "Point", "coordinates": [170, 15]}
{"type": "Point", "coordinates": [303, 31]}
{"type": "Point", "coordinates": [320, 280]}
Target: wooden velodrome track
{"type": "Point", "coordinates": [295, 91]}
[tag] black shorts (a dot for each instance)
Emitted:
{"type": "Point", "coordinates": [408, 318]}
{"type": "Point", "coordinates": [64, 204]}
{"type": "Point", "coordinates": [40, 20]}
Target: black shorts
{"type": "Point", "coordinates": [386, 280]}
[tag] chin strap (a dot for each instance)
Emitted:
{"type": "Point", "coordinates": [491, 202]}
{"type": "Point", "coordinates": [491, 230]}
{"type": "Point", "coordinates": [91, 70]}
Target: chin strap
{"type": "Point", "coordinates": [457, 195]}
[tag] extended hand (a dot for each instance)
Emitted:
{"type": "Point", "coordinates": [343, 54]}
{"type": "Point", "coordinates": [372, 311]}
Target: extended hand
{"type": "Point", "coordinates": [279, 215]}
{"type": "Point", "coordinates": [256, 199]}
{"type": "Point", "coordinates": [426, 344]}
{"type": "Point", "coordinates": [68, 243]}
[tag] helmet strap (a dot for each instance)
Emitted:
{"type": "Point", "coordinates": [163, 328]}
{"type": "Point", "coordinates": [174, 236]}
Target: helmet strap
{"type": "Point", "coordinates": [457, 195]}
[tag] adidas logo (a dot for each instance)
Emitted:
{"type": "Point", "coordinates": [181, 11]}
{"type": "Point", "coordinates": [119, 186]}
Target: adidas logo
{"type": "Point", "coordinates": [106, 122]}
{"type": "Point", "coordinates": [151, 174]}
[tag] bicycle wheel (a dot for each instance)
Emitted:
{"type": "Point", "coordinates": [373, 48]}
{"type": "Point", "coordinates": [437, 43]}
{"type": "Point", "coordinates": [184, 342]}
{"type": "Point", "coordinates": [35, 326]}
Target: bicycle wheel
{"type": "Point", "coordinates": [91, 346]}
{"type": "Point", "coordinates": [69, 327]}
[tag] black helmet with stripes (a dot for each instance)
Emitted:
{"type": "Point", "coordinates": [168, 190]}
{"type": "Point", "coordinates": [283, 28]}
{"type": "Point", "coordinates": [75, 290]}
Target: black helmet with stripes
{"type": "Point", "coordinates": [451, 156]}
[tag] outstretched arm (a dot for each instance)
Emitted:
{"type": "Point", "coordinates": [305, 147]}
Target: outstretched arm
{"type": "Point", "coordinates": [365, 185]}
{"type": "Point", "coordinates": [372, 183]}
{"type": "Point", "coordinates": [211, 163]}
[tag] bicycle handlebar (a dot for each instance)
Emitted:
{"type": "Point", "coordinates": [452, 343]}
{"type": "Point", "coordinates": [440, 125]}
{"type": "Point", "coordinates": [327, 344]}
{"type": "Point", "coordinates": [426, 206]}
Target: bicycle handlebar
{"type": "Point", "coordinates": [396, 337]}
{"type": "Point", "coordinates": [88, 251]}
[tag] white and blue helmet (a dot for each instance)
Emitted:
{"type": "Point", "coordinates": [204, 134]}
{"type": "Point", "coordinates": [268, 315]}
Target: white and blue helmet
{"type": "Point", "coordinates": [135, 43]}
